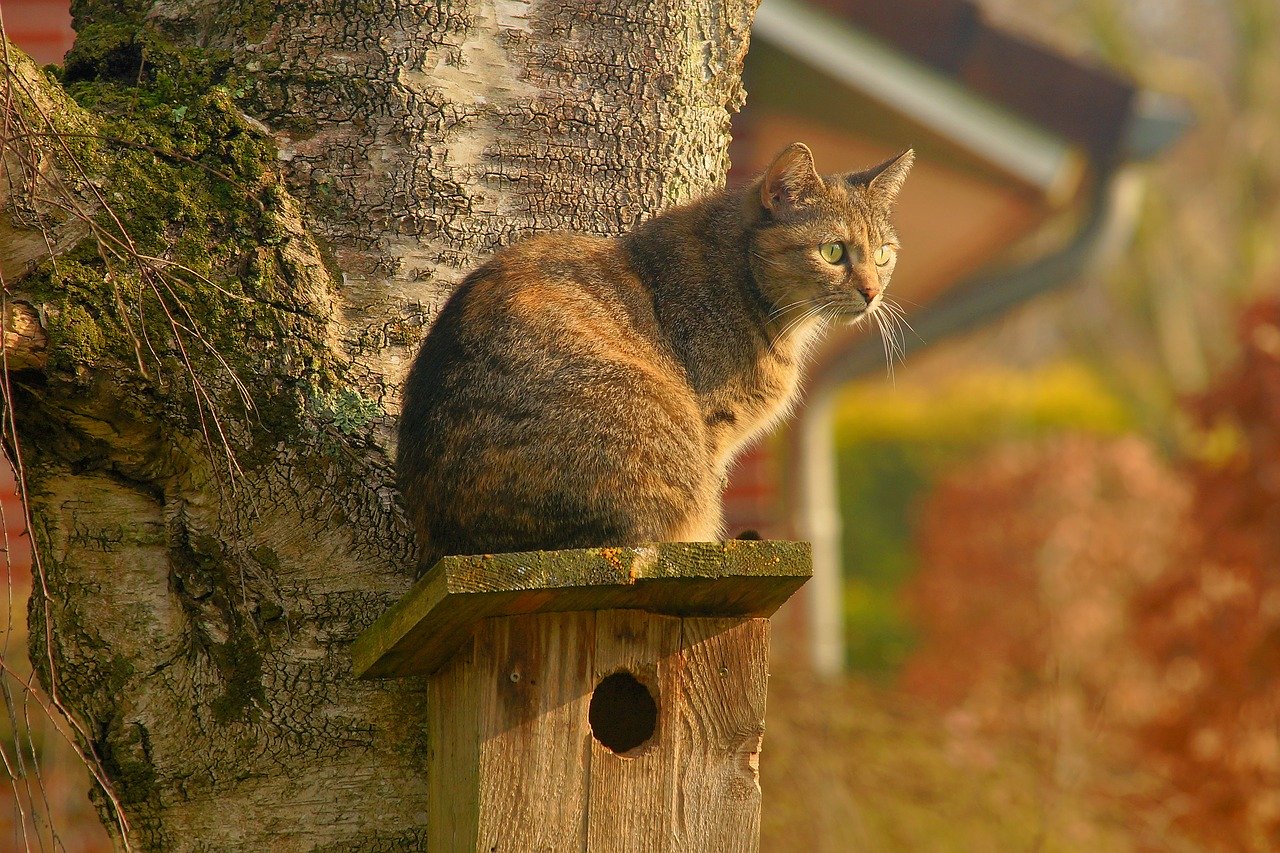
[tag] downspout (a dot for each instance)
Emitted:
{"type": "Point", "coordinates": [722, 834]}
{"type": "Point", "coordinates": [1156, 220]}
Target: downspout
{"type": "Point", "coordinates": [1104, 229]}
{"type": "Point", "coordinates": [818, 515]}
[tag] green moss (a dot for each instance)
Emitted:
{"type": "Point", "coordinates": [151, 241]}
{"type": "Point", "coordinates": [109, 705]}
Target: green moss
{"type": "Point", "coordinates": [75, 337]}
{"type": "Point", "coordinates": [196, 187]}
{"type": "Point", "coordinates": [267, 558]}
{"type": "Point", "coordinates": [206, 548]}
{"type": "Point", "coordinates": [240, 664]}
{"type": "Point", "coordinates": [132, 772]}
{"type": "Point", "coordinates": [347, 410]}
{"type": "Point", "coordinates": [164, 148]}
{"type": "Point", "coordinates": [127, 751]}
{"type": "Point", "coordinates": [253, 18]}
{"type": "Point", "coordinates": [208, 580]}
{"type": "Point", "coordinates": [115, 46]}
{"type": "Point", "coordinates": [106, 51]}
{"type": "Point", "coordinates": [269, 611]}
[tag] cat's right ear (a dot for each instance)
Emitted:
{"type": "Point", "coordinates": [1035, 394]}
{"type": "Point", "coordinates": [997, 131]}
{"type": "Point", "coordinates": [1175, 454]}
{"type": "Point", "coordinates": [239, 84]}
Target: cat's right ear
{"type": "Point", "coordinates": [790, 179]}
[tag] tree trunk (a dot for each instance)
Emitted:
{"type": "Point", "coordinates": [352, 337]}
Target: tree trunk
{"type": "Point", "coordinates": [257, 211]}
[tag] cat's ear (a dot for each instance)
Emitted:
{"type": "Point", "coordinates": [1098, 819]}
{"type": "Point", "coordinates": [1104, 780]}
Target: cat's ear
{"type": "Point", "coordinates": [885, 181]}
{"type": "Point", "coordinates": [790, 179]}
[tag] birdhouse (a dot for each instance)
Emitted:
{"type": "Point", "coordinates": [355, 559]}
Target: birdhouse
{"type": "Point", "coordinates": [608, 699]}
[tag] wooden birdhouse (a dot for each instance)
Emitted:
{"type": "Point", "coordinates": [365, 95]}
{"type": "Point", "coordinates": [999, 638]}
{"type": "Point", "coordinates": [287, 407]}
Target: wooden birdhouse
{"type": "Point", "coordinates": [609, 699]}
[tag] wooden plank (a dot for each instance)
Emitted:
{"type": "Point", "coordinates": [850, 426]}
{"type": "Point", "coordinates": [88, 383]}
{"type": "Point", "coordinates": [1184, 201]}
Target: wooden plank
{"type": "Point", "coordinates": [633, 794]}
{"type": "Point", "coordinates": [722, 686]}
{"type": "Point", "coordinates": [532, 685]}
{"type": "Point", "coordinates": [453, 756]}
{"type": "Point", "coordinates": [513, 765]}
{"type": "Point", "coordinates": [736, 578]}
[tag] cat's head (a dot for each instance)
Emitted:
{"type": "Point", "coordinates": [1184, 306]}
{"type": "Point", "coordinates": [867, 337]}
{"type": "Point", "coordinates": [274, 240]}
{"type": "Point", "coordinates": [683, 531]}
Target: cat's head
{"type": "Point", "coordinates": [825, 244]}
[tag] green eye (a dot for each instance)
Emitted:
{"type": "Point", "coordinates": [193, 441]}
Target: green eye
{"type": "Point", "coordinates": [885, 254]}
{"type": "Point", "coordinates": [832, 253]}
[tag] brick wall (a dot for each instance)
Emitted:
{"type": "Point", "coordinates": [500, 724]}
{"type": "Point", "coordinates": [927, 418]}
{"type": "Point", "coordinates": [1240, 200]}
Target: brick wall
{"type": "Point", "coordinates": [751, 501]}
{"type": "Point", "coordinates": [13, 533]}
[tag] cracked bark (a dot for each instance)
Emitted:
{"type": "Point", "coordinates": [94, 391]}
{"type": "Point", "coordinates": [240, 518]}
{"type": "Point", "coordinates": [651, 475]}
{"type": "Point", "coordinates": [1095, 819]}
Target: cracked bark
{"type": "Point", "coordinates": [25, 341]}
{"type": "Point", "coordinates": [201, 623]}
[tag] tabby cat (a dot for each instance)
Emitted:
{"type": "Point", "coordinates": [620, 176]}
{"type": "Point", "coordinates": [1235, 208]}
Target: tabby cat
{"type": "Point", "coordinates": [579, 391]}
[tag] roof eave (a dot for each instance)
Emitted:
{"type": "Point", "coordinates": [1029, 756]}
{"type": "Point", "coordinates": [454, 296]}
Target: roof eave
{"type": "Point", "coordinates": [1009, 143]}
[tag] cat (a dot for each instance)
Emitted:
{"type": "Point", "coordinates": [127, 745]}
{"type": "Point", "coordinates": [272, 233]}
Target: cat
{"type": "Point", "coordinates": [582, 391]}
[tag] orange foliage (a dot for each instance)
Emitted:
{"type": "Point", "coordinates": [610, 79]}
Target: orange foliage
{"type": "Point", "coordinates": [1214, 623]}
{"type": "Point", "coordinates": [1123, 611]}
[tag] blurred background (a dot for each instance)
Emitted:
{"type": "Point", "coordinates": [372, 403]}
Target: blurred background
{"type": "Point", "coordinates": [1046, 514]}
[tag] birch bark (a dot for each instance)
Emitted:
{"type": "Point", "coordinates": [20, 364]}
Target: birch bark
{"type": "Point", "coordinates": [280, 196]}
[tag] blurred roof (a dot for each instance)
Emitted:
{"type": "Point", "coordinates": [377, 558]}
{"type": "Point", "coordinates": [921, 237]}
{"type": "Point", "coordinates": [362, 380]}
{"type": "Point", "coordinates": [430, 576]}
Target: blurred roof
{"type": "Point", "coordinates": [988, 102]}
{"type": "Point", "coordinates": [1083, 103]}
{"type": "Point", "coordinates": [1017, 145]}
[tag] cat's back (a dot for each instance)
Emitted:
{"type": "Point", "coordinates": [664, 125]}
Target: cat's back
{"type": "Point", "coordinates": [550, 288]}
{"type": "Point", "coordinates": [550, 320]}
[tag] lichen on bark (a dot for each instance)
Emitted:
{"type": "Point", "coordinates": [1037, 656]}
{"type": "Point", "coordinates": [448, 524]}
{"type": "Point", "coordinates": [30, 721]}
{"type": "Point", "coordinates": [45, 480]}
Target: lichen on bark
{"type": "Point", "coordinates": [274, 201]}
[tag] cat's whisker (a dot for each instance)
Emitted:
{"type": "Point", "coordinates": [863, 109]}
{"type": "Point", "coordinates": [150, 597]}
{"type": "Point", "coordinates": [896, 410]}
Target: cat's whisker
{"type": "Point", "coordinates": [895, 310]}
{"type": "Point", "coordinates": [884, 340]}
{"type": "Point", "coordinates": [777, 312]}
{"type": "Point", "coordinates": [901, 316]}
{"type": "Point", "coordinates": [813, 310]}
{"type": "Point", "coordinates": [896, 328]}
{"type": "Point", "coordinates": [835, 313]}
{"type": "Point", "coordinates": [890, 326]}
{"type": "Point", "coordinates": [895, 321]}
{"type": "Point", "coordinates": [797, 322]}
{"type": "Point", "coordinates": [808, 309]}
{"type": "Point", "coordinates": [884, 343]}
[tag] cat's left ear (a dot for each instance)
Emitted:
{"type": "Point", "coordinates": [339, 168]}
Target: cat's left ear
{"type": "Point", "coordinates": [790, 179]}
{"type": "Point", "coordinates": [885, 181]}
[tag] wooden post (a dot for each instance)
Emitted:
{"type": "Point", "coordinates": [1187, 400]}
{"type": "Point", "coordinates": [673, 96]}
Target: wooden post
{"type": "Point", "coordinates": [606, 699]}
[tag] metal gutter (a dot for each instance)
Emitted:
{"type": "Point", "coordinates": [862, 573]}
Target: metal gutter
{"type": "Point", "coordinates": [1115, 195]}
{"type": "Point", "coordinates": [1027, 152]}
{"type": "Point", "coordinates": [1107, 224]}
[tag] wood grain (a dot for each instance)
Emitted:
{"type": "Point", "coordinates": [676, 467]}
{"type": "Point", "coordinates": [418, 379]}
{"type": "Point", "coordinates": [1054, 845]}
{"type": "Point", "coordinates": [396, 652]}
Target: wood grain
{"type": "Point", "coordinates": [723, 682]}
{"type": "Point", "coordinates": [453, 755]}
{"type": "Point", "coordinates": [535, 738]}
{"type": "Point", "coordinates": [508, 738]}
{"type": "Point", "coordinates": [513, 765]}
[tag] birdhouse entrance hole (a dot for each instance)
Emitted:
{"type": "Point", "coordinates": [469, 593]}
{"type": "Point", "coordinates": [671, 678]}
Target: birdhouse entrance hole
{"type": "Point", "coordinates": [623, 713]}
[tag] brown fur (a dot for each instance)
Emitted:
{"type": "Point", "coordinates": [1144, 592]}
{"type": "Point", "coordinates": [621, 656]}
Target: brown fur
{"type": "Point", "coordinates": [579, 391]}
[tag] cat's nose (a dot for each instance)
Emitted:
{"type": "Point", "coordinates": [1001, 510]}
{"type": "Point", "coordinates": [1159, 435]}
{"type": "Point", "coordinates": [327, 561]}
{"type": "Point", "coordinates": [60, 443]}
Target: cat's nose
{"type": "Point", "coordinates": [869, 290]}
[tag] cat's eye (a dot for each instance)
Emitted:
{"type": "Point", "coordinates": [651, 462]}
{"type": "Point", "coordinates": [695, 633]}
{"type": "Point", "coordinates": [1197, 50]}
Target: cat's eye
{"type": "Point", "coordinates": [884, 254]}
{"type": "Point", "coordinates": [832, 253]}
